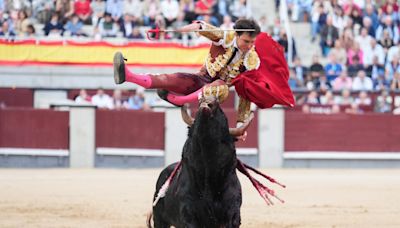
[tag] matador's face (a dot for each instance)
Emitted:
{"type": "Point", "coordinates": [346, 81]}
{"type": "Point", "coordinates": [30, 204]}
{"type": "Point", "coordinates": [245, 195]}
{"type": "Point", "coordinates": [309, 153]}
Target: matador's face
{"type": "Point", "coordinates": [245, 42]}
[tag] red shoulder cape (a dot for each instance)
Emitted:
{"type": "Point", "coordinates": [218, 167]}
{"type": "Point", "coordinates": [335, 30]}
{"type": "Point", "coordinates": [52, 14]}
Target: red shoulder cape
{"type": "Point", "coordinates": [268, 85]}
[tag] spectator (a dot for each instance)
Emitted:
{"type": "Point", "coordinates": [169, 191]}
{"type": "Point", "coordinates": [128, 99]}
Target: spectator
{"type": "Point", "coordinates": [333, 68]}
{"type": "Point", "coordinates": [151, 8]}
{"type": "Point", "coordinates": [22, 22]}
{"type": "Point", "coordinates": [329, 34]}
{"type": "Point", "coordinates": [83, 97]}
{"type": "Point", "coordinates": [395, 85]}
{"type": "Point", "coordinates": [375, 69]}
{"type": "Point", "coordinates": [323, 84]}
{"type": "Point", "coordinates": [170, 11]}
{"type": "Point", "coordinates": [393, 51]}
{"type": "Point", "coordinates": [392, 30]}
{"type": "Point", "coordinates": [294, 82]}
{"type": "Point", "coordinates": [374, 50]}
{"type": "Point", "coordinates": [30, 32]}
{"type": "Point", "coordinates": [241, 9]}
{"type": "Point", "coordinates": [367, 24]}
{"type": "Point", "coordinates": [347, 39]}
{"type": "Point", "coordinates": [102, 100]}
{"type": "Point", "coordinates": [318, 19]}
{"type": "Point", "coordinates": [187, 7]}
{"type": "Point", "coordinates": [127, 25]}
{"type": "Point", "coordinates": [300, 71]}
{"type": "Point", "coordinates": [312, 98]}
{"type": "Point", "coordinates": [345, 98]}
{"type": "Point", "coordinates": [304, 10]}
{"type": "Point", "coordinates": [98, 8]}
{"type": "Point", "coordinates": [204, 7]}
{"type": "Point", "coordinates": [356, 17]}
{"type": "Point", "coordinates": [354, 109]}
{"type": "Point", "coordinates": [338, 19]}
{"type": "Point", "coordinates": [135, 34]}
{"type": "Point", "coordinates": [391, 68]}
{"type": "Point", "coordinates": [355, 51]}
{"type": "Point", "coordinates": [227, 23]}
{"type": "Point", "coordinates": [316, 70]}
{"type": "Point", "coordinates": [386, 41]}
{"type": "Point", "coordinates": [328, 98]}
{"type": "Point", "coordinates": [42, 10]}
{"type": "Point", "coordinates": [342, 82]}
{"type": "Point", "coordinates": [362, 82]}
{"type": "Point", "coordinates": [364, 40]}
{"type": "Point", "coordinates": [355, 66]}
{"type": "Point", "coordinates": [54, 27]}
{"type": "Point", "coordinates": [74, 26]}
{"type": "Point", "coordinates": [107, 27]}
{"type": "Point", "coordinates": [118, 102]}
{"type": "Point", "coordinates": [135, 101]}
{"type": "Point", "coordinates": [392, 3]}
{"type": "Point", "coordinates": [283, 41]}
{"type": "Point", "coordinates": [83, 10]}
{"type": "Point", "coordinates": [339, 52]}
{"type": "Point", "coordinates": [65, 9]}
{"type": "Point", "coordinates": [221, 9]}
{"type": "Point", "coordinates": [115, 9]}
{"type": "Point", "coordinates": [392, 14]}
{"type": "Point", "coordinates": [6, 32]}
{"type": "Point", "coordinates": [383, 103]}
{"type": "Point", "coordinates": [363, 99]}
{"type": "Point", "coordinates": [135, 9]}
{"type": "Point", "coordinates": [370, 13]}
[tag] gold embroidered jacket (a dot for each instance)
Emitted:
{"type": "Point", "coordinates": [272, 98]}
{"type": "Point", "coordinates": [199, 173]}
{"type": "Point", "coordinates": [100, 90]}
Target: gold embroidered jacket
{"type": "Point", "coordinates": [216, 64]}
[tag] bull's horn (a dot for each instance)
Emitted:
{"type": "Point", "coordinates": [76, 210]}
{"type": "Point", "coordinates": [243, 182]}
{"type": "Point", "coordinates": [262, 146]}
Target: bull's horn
{"type": "Point", "coordinates": [240, 130]}
{"type": "Point", "coordinates": [185, 115]}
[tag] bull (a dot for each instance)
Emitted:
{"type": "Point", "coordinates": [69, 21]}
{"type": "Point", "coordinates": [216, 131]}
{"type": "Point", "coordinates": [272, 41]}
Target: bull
{"type": "Point", "coordinates": [206, 191]}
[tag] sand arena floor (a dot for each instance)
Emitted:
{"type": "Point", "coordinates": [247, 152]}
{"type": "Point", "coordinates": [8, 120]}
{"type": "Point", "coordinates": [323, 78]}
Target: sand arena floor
{"type": "Point", "coordinates": [121, 198]}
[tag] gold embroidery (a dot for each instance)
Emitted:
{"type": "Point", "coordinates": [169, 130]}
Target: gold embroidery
{"type": "Point", "coordinates": [243, 110]}
{"type": "Point", "coordinates": [219, 91]}
{"type": "Point", "coordinates": [219, 62]}
{"type": "Point", "coordinates": [229, 37]}
{"type": "Point", "coordinates": [251, 60]}
{"type": "Point", "coordinates": [212, 35]}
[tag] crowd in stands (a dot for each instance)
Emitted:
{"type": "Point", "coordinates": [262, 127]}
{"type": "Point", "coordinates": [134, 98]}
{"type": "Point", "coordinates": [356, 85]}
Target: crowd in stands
{"type": "Point", "coordinates": [113, 18]}
{"type": "Point", "coordinates": [358, 38]}
{"type": "Point", "coordinates": [119, 100]}
{"type": "Point", "coordinates": [360, 41]}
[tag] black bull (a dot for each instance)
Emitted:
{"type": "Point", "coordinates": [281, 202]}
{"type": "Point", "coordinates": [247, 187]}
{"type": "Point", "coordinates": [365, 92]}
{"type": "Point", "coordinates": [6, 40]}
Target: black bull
{"type": "Point", "coordinates": [206, 191]}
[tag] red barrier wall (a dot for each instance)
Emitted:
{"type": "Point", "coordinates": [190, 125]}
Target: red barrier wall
{"type": "Point", "coordinates": [341, 132]}
{"type": "Point", "coordinates": [19, 97]}
{"type": "Point", "coordinates": [130, 129]}
{"type": "Point", "coordinates": [34, 128]}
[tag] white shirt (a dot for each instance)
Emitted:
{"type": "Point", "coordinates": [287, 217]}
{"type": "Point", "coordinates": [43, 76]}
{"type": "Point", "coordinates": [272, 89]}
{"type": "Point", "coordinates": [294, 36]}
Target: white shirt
{"type": "Point", "coordinates": [170, 8]}
{"type": "Point", "coordinates": [365, 84]}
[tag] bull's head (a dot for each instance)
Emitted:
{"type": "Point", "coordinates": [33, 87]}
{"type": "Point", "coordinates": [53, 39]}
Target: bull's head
{"type": "Point", "coordinates": [208, 106]}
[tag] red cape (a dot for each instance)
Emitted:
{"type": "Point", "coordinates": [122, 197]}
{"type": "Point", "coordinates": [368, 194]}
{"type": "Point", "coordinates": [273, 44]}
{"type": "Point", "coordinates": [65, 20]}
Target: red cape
{"type": "Point", "coordinates": [268, 85]}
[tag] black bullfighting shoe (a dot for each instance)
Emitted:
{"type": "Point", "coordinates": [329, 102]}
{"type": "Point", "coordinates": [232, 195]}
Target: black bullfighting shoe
{"type": "Point", "coordinates": [119, 68]}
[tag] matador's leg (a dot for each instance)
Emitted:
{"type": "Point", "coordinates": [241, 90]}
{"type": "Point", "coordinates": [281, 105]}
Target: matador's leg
{"type": "Point", "coordinates": [217, 88]}
{"type": "Point", "coordinates": [180, 83]}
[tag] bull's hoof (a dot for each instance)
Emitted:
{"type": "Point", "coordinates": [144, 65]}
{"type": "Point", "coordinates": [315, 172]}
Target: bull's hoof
{"type": "Point", "coordinates": [119, 68]}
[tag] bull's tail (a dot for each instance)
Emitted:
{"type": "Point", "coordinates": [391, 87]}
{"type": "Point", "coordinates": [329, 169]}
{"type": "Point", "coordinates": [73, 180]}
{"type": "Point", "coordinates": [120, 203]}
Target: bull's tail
{"type": "Point", "coordinates": [148, 220]}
